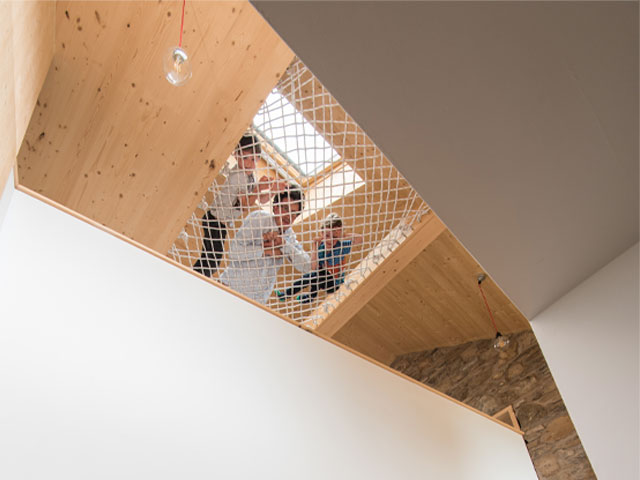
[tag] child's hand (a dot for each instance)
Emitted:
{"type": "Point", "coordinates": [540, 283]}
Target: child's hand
{"type": "Point", "coordinates": [271, 242]}
{"type": "Point", "coordinates": [264, 183]}
{"type": "Point", "coordinates": [278, 186]}
{"type": "Point", "coordinates": [245, 201]}
{"type": "Point", "coordinates": [273, 252]}
{"type": "Point", "coordinates": [273, 238]}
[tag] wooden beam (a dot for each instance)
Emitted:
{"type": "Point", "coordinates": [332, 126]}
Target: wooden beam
{"type": "Point", "coordinates": [113, 140]}
{"type": "Point", "coordinates": [425, 232]}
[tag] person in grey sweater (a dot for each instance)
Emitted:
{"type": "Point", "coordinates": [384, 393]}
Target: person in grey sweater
{"type": "Point", "coordinates": [261, 246]}
{"type": "Point", "coordinates": [238, 194]}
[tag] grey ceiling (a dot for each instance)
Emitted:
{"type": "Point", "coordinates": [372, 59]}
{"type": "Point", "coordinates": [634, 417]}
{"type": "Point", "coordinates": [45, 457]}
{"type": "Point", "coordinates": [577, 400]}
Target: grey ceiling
{"type": "Point", "coordinates": [517, 122]}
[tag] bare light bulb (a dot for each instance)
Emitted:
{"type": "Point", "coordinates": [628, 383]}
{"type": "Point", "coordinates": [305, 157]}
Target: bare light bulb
{"type": "Point", "coordinates": [500, 342]}
{"type": "Point", "coordinates": [177, 67]}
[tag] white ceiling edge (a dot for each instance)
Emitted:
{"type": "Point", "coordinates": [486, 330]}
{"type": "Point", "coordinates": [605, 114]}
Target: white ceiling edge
{"type": "Point", "coordinates": [517, 121]}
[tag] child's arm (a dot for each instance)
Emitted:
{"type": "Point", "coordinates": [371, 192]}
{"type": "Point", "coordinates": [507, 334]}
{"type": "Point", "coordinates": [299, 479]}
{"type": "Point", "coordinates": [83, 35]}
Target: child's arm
{"type": "Point", "coordinates": [356, 238]}
{"type": "Point", "coordinates": [314, 256]}
{"type": "Point", "coordinates": [294, 252]}
{"type": "Point", "coordinates": [264, 189]}
{"type": "Point", "coordinates": [272, 243]}
{"type": "Point", "coordinates": [247, 200]}
{"type": "Point", "coordinates": [268, 187]}
{"type": "Point", "coordinates": [248, 243]}
{"type": "Point", "coordinates": [261, 191]}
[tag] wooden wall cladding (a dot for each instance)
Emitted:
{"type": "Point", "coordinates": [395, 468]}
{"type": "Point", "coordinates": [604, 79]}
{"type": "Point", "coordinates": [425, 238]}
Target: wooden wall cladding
{"type": "Point", "coordinates": [111, 139]}
{"type": "Point", "coordinates": [33, 46]}
{"type": "Point", "coordinates": [7, 99]}
{"type": "Point", "coordinates": [27, 34]}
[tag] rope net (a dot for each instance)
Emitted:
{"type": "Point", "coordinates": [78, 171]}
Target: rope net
{"type": "Point", "coordinates": [304, 209]}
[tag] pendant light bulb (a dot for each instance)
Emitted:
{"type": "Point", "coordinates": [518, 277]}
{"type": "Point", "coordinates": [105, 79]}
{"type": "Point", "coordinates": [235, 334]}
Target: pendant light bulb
{"type": "Point", "coordinates": [177, 66]}
{"type": "Point", "coordinates": [501, 342]}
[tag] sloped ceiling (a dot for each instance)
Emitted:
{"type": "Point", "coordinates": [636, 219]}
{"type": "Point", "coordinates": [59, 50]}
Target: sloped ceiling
{"type": "Point", "coordinates": [517, 122]}
{"type": "Point", "coordinates": [111, 139]}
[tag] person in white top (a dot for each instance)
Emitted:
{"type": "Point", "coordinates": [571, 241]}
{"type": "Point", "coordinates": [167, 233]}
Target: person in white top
{"type": "Point", "coordinates": [239, 193]}
{"type": "Point", "coordinates": [262, 244]}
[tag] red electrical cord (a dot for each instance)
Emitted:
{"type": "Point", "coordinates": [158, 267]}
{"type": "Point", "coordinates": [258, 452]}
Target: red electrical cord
{"type": "Point", "coordinates": [182, 23]}
{"type": "Point", "coordinates": [487, 304]}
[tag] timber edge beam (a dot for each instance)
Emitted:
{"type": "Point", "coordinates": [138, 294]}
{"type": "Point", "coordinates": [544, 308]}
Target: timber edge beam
{"type": "Point", "coordinates": [428, 230]}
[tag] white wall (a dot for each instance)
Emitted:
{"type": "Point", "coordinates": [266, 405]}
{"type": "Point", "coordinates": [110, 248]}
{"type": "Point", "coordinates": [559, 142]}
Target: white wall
{"type": "Point", "coordinates": [115, 364]}
{"type": "Point", "coordinates": [590, 340]}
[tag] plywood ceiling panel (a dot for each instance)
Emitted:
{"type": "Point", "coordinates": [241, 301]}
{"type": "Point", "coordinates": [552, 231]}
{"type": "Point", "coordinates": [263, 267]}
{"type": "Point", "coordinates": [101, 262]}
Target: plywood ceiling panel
{"type": "Point", "coordinates": [113, 140]}
{"type": "Point", "coordinates": [426, 231]}
{"type": "Point", "coordinates": [433, 302]}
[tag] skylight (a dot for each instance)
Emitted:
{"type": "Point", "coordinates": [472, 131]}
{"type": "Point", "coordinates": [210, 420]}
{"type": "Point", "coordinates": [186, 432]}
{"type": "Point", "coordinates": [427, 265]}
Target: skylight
{"type": "Point", "coordinates": [293, 136]}
{"type": "Point", "coordinates": [342, 182]}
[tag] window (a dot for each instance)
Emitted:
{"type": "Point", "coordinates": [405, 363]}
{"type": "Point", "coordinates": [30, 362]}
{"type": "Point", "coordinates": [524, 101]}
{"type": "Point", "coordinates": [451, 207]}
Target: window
{"type": "Point", "coordinates": [332, 188]}
{"type": "Point", "coordinates": [293, 137]}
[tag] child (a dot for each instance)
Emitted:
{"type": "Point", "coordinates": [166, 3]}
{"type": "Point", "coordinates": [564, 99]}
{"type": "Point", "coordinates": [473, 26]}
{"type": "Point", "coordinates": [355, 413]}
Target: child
{"type": "Point", "coordinates": [238, 194]}
{"type": "Point", "coordinates": [331, 250]}
{"type": "Point", "coordinates": [261, 246]}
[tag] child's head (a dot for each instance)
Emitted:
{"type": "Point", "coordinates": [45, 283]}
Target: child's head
{"type": "Point", "coordinates": [287, 205]}
{"type": "Point", "coordinates": [248, 152]}
{"type": "Point", "coordinates": [333, 226]}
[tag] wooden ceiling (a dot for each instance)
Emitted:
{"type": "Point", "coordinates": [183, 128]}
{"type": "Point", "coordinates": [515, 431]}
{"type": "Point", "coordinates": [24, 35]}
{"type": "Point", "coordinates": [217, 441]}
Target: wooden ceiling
{"type": "Point", "coordinates": [433, 302]}
{"type": "Point", "coordinates": [112, 140]}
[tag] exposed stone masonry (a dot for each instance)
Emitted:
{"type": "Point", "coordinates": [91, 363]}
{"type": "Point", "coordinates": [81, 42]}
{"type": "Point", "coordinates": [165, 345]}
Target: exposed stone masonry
{"type": "Point", "coordinates": [490, 380]}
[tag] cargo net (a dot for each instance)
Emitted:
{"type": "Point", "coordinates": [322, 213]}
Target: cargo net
{"type": "Point", "coordinates": [304, 209]}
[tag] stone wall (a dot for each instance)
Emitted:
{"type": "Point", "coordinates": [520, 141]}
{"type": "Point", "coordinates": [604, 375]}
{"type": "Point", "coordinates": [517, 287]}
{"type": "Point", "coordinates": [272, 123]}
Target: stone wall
{"type": "Point", "coordinates": [489, 380]}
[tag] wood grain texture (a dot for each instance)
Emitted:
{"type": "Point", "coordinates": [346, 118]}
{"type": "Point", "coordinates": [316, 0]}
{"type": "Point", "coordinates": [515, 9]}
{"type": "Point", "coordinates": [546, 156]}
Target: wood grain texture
{"type": "Point", "coordinates": [27, 31]}
{"type": "Point", "coordinates": [114, 141]}
{"type": "Point", "coordinates": [7, 98]}
{"type": "Point", "coordinates": [434, 302]}
{"type": "Point", "coordinates": [366, 211]}
{"type": "Point", "coordinates": [33, 41]}
{"type": "Point", "coordinates": [427, 231]}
